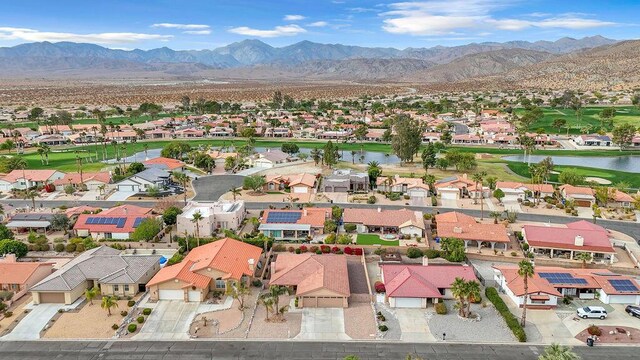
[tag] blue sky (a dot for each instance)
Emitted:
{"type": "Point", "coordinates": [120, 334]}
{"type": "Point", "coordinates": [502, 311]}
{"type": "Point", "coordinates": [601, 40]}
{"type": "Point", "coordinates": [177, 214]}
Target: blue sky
{"type": "Point", "coordinates": [206, 24]}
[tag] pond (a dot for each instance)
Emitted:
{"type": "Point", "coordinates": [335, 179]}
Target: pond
{"type": "Point", "coordinates": [627, 163]}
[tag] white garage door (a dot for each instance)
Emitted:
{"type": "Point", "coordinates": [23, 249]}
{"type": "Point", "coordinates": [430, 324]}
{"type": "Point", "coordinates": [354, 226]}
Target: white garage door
{"type": "Point", "coordinates": [509, 198]}
{"type": "Point", "coordinates": [408, 302]}
{"type": "Point", "coordinates": [449, 195]}
{"type": "Point", "coordinates": [171, 295]}
{"type": "Point", "coordinates": [300, 189]}
{"type": "Point", "coordinates": [194, 295]}
{"type": "Point", "coordinates": [622, 299]}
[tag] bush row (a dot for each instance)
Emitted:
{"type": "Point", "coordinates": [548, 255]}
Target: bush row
{"type": "Point", "coordinates": [509, 318]}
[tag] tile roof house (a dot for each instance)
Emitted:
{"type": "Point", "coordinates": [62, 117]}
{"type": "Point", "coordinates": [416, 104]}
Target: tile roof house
{"type": "Point", "coordinates": [294, 224]}
{"type": "Point", "coordinates": [164, 164]}
{"type": "Point", "coordinates": [206, 267]}
{"type": "Point", "coordinates": [92, 181]}
{"type": "Point", "coordinates": [24, 179]}
{"type": "Point", "coordinates": [109, 269]}
{"type": "Point", "coordinates": [455, 187]}
{"type": "Point", "coordinates": [298, 183]}
{"type": "Point", "coordinates": [269, 158]}
{"type": "Point", "coordinates": [411, 286]}
{"type": "Point", "coordinates": [401, 185]}
{"type": "Point", "coordinates": [517, 190]}
{"type": "Point", "coordinates": [317, 280]}
{"type": "Point", "coordinates": [550, 284]}
{"type": "Point", "coordinates": [115, 223]}
{"type": "Point", "coordinates": [404, 222]}
{"type": "Point", "coordinates": [569, 240]}
{"type": "Point", "coordinates": [582, 195]}
{"type": "Point", "coordinates": [346, 181]}
{"type": "Point", "coordinates": [457, 225]}
{"type": "Point", "coordinates": [18, 277]}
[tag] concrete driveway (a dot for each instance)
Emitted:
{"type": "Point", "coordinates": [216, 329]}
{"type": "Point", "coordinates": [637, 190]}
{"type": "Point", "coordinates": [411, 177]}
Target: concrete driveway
{"type": "Point", "coordinates": [512, 206]}
{"type": "Point", "coordinates": [30, 326]}
{"type": "Point", "coordinates": [449, 203]}
{"type": "Point", "coordinates": [210, 188]}
{"type": "Point", "coordinates": [121, 195]}
{"type": "Point", "coordinates": [322, 324]}
{"type": "Point", "coordinates": [169, 320]}
{"type": "Point", "coordinates": [413, 325]}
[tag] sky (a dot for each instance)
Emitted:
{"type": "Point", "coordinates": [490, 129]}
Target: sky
{"type": "Point", "coordinates": [207, 24]}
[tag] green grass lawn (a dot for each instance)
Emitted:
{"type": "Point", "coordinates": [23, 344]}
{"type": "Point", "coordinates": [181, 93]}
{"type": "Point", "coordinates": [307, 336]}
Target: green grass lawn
{"type": "Point", "coordinates": [633, 179]}
{"type": "Point", "coordinates": [372, 239]}
{"type": "Point", "coordinates": [624, 115]}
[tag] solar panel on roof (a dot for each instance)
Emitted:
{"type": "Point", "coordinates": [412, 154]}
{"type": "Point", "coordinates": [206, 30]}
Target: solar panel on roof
{"type": "Point", "coordinates": [283, 217]}
{"type": "Point", "coordinates": [562, 278]}
{"type": "Point", "coordinates": [623, 285]}
{"type": "Point", "coordinates": [121, 222]}
{"type": "Point", "coordinates": [137, 222]}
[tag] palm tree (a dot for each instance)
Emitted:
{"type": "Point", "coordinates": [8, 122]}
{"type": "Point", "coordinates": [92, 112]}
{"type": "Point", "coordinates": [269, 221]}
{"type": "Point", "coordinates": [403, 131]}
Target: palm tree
{"type": "Point", "coordinates": [353, 156]}
{"type": "Point", "coordinates": [238, 291]}
{"type": "Point", "coordinates": [275, 291]}
{"type": "Point", "coordinates": [41, 153]}
{"type": "Point", "coordinates": [316, 155]}
{"type": "Point", "coordinates": [91, 294]}
{"type": "Point", "coordinates": [584, 257]}
{"type": "Point", "coordinates": [146, 148]}
{"type": "Point", "coordinates": [473, 293]}
{"type": "Point", "coordinates": [479, 179]}
{"type": "Point", "coordinates": [266, 300]}
{"type": "Point", "coordinates": [429, 179]}
{"type": "Point", "coordinates": [526, 271]}
{"type": "Point", "coordinates": [235, 192]}
{"type": "Point", "coordinates": [31, 194]}
{"type": "Point", "coordinates": [459, 292]}
{"type": "Point", "coordinates": [389, 181]}
{"type": "Point", "coordinates": [495, 215]}
{"type": "Point", "coordinates": [558, 352]}
{"type": "Point", "coordinates": [79, 164]}
{"type": "Point", "coordinates": [197, 216]}
{"type": "Point", "coordinates": [109, 302]}
{"type": "Point", "coordinates": [183, 180]}
{"type": "Point", "coordinates": [94, 129]}
{"type": "Point", "coordinates": [45, 151]}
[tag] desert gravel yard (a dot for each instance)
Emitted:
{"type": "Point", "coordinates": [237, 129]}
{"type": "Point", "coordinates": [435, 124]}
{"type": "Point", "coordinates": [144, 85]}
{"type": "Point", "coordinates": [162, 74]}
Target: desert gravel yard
{"type": "Point", "coordinates": [87, 322]}
{"type": "Point", "coordinates": [491, 327]}
{"type": "Point", "coordinates": [394, 332]}
{"type": "Point", "coordinates": [262, 329]}
{"type": "Point", "coordinates": [359, 322]}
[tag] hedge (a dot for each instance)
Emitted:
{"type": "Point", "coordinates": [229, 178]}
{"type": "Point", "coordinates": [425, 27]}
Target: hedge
{"type": "Point", "coordinates": [441, 308]}
{"type": "Point", "coordinates": [509, 318]}
{"type": "Point", "coordinates": [132, 328]}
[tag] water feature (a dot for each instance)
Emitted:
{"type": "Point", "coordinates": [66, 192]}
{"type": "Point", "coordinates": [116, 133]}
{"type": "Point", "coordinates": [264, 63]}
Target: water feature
{"type": "Point", "coordinates": [627, 163]}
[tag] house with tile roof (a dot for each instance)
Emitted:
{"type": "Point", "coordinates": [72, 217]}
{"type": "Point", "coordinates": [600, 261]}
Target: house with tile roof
{"type": "Point", "coordinates": [110, 270]}
{"type": "Point", "coordinates": [164, 163]}
{"type": "Point", "coordinates": [415, 285]}
{"type": "Point", "coordinates": [297, 183]}
{"type": "Point", "coordinates": [464, 227]}
{"type": "Point", "coordinates": [567, 241]}
{"type": "Point", "coordinates": [346, 181]}
{"type": "Point", "coordinates": [398, 222]}
{"type": "Point", "coordinates": [549, 285]}
{"type": "Point", "coordinates": [117, 223]}
{"type": "Point", "coordinates": [294, 224]}
{"type": "Point", "coordinates": [92, 181]}
{"type": "Point", "coordinates": [457, 187]}
{"type": "Point", "coordinates": [269, 158]}
{"type": "Point", "coordinates": [582, 195]}
{"type": "Point", "coordinates": [517, 190]}
{"type": "Point", "coordinates": [18, 277]}
{"type": "Point", "coordinates": [318, 281]}
{"type": "Point", "coordinates": [24, 179]}
{"type": "Point", "coordinates": [206, 268]}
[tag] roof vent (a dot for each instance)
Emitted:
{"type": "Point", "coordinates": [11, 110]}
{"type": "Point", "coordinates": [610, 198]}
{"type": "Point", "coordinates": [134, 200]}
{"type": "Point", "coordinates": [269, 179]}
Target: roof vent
{"type": "Point", "coordinates": [457, 230]}
{"type": "Point", "coordinates": [579, 241]}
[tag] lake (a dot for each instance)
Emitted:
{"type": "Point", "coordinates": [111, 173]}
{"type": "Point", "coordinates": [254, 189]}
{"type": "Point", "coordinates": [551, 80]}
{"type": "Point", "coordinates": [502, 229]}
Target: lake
{"type": "Point", "coordinates": [627, 163]}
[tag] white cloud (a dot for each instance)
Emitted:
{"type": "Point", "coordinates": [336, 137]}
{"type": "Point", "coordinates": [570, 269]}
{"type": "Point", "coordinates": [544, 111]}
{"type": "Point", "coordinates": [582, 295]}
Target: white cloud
{"type": "Point", "coordinates": [181, 26]}
{"type": "Point", "coordinates": [318, 24]}
{"type": "Point", "coordinates": [286, 30]}
{"type": "Point", "coordinates": [197, 32]}
{"type": "Point", "coordinates": [441, 17]}
{"type": "Point", "coordinates": [294, 17]}
{"type": "Point", "coordinates": [11, 33]}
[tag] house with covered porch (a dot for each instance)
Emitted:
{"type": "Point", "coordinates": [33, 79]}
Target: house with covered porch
{"type": "Point", "coordinates": [294, 224]}
{"type": "Point", "coordinates": [389, 222]}
{"type": "Point", "coordinates": [474, 234]}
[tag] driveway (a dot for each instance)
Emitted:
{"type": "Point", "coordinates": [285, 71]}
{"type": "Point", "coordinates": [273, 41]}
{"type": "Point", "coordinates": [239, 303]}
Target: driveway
{"type": "Point", "coordinates": [414, 326]}
{"type": "Point", "coordinates": [210, 188]}
{"type": "Point", "coordinates": [169, 320]}
{"type": "Point", "coordinates": [121, 195]}
{"type": "Point", "coordinates": [513, 206]}
{"type": "Point", "coordinates": [30, 326]}
{"type": "Point", "coordinates": [322, 324]}
{"type": "Point", "coordinates": [449, 203]}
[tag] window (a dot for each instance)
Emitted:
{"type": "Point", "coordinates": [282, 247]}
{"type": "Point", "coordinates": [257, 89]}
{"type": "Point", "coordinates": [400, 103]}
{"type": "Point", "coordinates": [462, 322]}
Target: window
{"type": "Point", "coordinates": [115, 288]}
{"type": "Point", "coordinates": [108, 235]}
{"type": "Point", "coordinates": [126, 288]}
{"type": "Point", "coordinates": [220, 284]}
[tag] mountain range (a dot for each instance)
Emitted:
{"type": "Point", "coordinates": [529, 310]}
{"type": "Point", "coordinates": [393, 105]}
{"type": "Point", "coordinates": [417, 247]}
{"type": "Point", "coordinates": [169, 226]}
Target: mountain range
{"type": "Point", "coordinates": [536, 62]}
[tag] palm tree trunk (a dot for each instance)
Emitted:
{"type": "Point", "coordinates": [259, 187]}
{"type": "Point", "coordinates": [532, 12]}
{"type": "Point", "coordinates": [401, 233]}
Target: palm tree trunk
{"type": "Point", "coordinates": [481, 205]}
{"type": "Point", "coordinates": [523, 321]}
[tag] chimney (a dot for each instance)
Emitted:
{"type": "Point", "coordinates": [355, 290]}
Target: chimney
{"type": "Point", "coordinates": [457, 230]}
{"type": "Point", "coordinates": [125, 210]}
{"type": "Point", "coordinates": [251, 264]}
{"type": "Point", "coordinates": [304, 211]}
{"type": "Point", "coordinates": [379, 209]}
{"type": "Point", "coordinates": [425, 261]}
{"type": "Point", "coordinates": [579, 241]}
{"type": "Point", "coordinates": [464, 176]}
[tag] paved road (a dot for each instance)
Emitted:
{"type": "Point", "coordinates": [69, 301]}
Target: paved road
{"type": "Point", "coordinates": [212, 187]}
{"type": "Point", "coordinates": [629, 228]}
{"type": "Point", "coordinates": [286, 350]}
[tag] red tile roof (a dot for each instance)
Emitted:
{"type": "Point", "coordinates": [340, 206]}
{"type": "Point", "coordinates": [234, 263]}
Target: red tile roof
{"type": "Point", "coordinates": [171, 164]}
{"type": "Point", "coordinates": [311, 272]}
{"type": "Point", "coordinates": [19, 272]}
{"type": "Point", "coordinates": [595, 237]}
{"type": "Point", "coordinates": [379, 217]}
{"type": "Point", "coordinates": [418, 281]}
{"type": "Point", "coordinates": [74, 178]}
{"type": "Point", "coordinates": [457, 225]}
{"type": "Point", "coordinates": [32, 175]}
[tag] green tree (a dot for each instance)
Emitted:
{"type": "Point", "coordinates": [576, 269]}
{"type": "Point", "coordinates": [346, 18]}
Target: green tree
{"type": "Point", "coordinates": [459, 292]}
{"type": "Point", "coordinates": [146, 230]}
{"type": "Point", "coordinates": [196, 217]}
{"type": "Point", "coordinates": [290, 148]}
{"type": "Point", "coordinates": [622, 135]}
{"type": "Point", "coordinates": [453, 249]}
{"type": "Point", "coordinates": [8, 246]}
{"type": "Point", "coordinates": [91, 294]}
{"type": "Point", "coordinates": [559, 124]}
{"type": "Point", "coordinates": [584, 257]}
{"type": "Point", "coordinates": [316, 155]}
{"type": "Point", "coordinates": [175, 150]}
{"type": "Point", "coordinates": [109, 302]}
{"type": "Point", "coordinates": [429, 157]}
{"type": "Point", "coordinates": [374, 171]}
{"type": "Point", "coordinates": [248, 132]}
{"type": "Point", "coordinates": [235, 192]}
{"type": "Point", "coordinates": [5, 233]}
{"type": "Point", "coordinates": [408, 137]}
{"type": "Point", "coordinates": [571, 176]}
{"type": "Point", "coordinates": [238, 290]}
{"type": "Point", "coordinates": [525, 271]}
{"type": "Point", "coordinates": [478, 178]}
{"type": "Point", "coordinates": [182, 179]}
{"type": "Point", "coordinates": [387, 136]}
{"type": "Point", "coordinates": [60, 222]}
{"type": "Point", "coordinates": [170, 215]}
{"type": "Point", "coordinates": [32, 195]}
{"type": "Point", "coordinates": [330, 154]}
{"type": "Point", "coordinates": [267, 301]}
{"type": "Point", "coordinates": [496, 215]}
{"type": "Point", "coordinates": [473, 292]}
{"type": "Point", "coordinates": [330, 226]}
{"type": "Point", "coordinates": [558, 352]}
{"type": "Point", "coordinates": [254, 182]}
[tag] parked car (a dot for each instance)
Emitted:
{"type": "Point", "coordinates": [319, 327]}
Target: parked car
{"type": "Point", "coordinates": [593, 312]}
{"type": "Point", "coordinates": [633, 310]}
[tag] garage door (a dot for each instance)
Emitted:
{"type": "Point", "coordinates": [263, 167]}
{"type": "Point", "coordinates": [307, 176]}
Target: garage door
{"type": "Point", "coordinates": [449, 195]}
{"type": "Point", "coordinates": [194, 295]}
{"type": "Point", "coordinates": [583, 203]}
{"type": "Point", "coordinates": [171, 295]}
{"type": "Point", "coordinates": [509, 198]}
{"type": "Point", "coordinates": [51, 298]}
{"type": "Point", "coordinates": [324, 302]}
{"type": "Point", "coordinates": [300, 189]}
{"type": "Point", "coordinates": [408, 302]}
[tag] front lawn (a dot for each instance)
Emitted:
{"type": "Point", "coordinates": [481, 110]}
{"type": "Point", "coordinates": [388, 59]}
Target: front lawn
{"type": "Point", "coordinates": [372, 239]}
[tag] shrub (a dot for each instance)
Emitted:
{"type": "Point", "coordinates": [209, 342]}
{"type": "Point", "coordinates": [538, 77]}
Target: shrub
{"type": "Point", "coordinates": [414, 252]}
{"type": "Point", "coordinates": [298, 251]}
{"type": "Point", "coordinates": [44, 247]}
{"type": "Point", "coordinates": [357, 251]}
{"type": "Point", "coordinates": [513, 253]}
{"type": "Point", "coordinates": [394, 196]}
{"type": "Point", "coordinates": [146, 311]}
{"type": "Point", "coordinates": [371, 200]}
{"type": "Point", "coordinates": [140, 319]}
{"type": "Point", "coordinates": [525, 246]}
{"type": "Point", "coordinates": [381, 317]}
{"type": "Point", "coordinates": [594, 330]}
{"type": "Point", "coordinates": [124, 313]}
{"type": "Point", "coordinates": [509, 318]}
{"type": "Point", "coordinates": [350, 228]}
{"type": "Point", "coordinates": [80, 248]}
{"type": "Point", "coordinates": [383, 328]}
{"type": "Point", "coordinates": [441, 308]}
{"type": "Point", "coordinates": [348, 250]}
{"type": "Point", "coordinates": [331, 239]}
{"type": "Point", "coordinates": [314, 249]}
{"type": "Point", "coordinates": [132, 328]}
{"type": "Point", "coordinates": [379, 287]}
{"type": "Point", "coordinates": [291, 249]}
{"type": "Point", "coordinates": [130, 303]}
{"type": "Point", "coordinates": [303, 249]}
{"type": "Point", "coordinates": [59, 247]}
{"type": "Point", "coordinates": [256, 283]}
{"type": "Point", "coordinates": [70, 247]}
{"type": "Point", "coordinates": [8, 314]}
{"type": "Point", "coordinates": [432, 253]}
{"type": "Point", "coordinates": [318, 252]}
{"type": "Point", "coordinates": [325, 249]}
{"type": "Point", "coordinates": [344, 239]}
{"type": "Point", "coordinates": [115, 326]}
